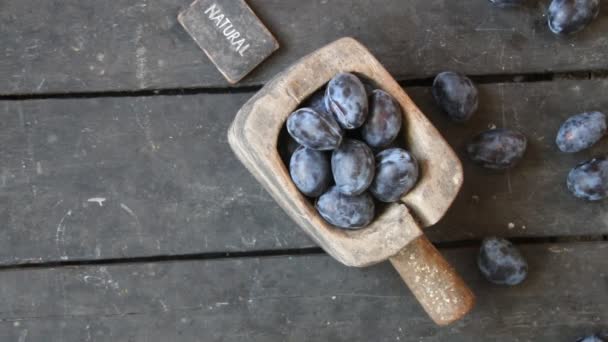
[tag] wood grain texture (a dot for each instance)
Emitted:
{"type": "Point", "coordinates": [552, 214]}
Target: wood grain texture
{"type": "Point", "coordinates": [121, 177]}
{"type": "Point", "coordinates": [191, 195]}
{"type": "Point", "coordinates": [88, 45]}
{"type": "Point", "coordinates": [254, 137]}
{"type": "Point", "coordinates": [433, 281]}
{"type": "Point", "coordinates": [305, 298]}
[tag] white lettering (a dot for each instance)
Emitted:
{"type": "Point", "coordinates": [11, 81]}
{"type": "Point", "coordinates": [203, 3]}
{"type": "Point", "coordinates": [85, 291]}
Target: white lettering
{"type": "Point", "coordinates": [213, 11]}
{"type": "Point", "coordinates": [238, 43]}
{"type": "Point", "coordinates": [226, 34]}
{"type": "Point", "coordinates": [241, 51]}
{"type": "Point", "coordinates": [228, 30]}
{"type": "Point", "coordinates": [218, 19]}
{"type": "Point", "coordinates": [226, 21]}
{"type": "Point", "coordinates": [233, 36]}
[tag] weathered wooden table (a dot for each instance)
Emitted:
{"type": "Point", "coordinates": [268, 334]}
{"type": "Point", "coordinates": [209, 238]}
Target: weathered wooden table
{"type": "Point", "coordinates": [124, 215]}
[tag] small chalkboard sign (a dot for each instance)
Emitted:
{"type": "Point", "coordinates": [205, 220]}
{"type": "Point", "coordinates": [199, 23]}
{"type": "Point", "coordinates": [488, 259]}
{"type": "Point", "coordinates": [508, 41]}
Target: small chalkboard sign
{"type": "Point", "coordinates": [231, 35]}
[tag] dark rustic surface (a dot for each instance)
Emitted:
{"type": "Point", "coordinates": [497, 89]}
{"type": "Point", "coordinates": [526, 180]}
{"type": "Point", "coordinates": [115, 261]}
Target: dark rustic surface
{"type": "Point", "coordinates": [87, 45]}
{"type": "Point", "coordinates": [115, 176]}
{"type": "Point", "coordinates": [231, 35]}
{"type": "Point", "coordinates": [300, 298]}
{"type": "Point", "coordinates": [120, 177]}
{"type": "Point", "coordinates": [172, 186]}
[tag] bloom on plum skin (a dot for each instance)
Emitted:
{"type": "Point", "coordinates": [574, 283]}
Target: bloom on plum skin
{"type": "Point", "coordinates": [314, 130]}
{"type": "Point", "coordinates": [500, 262]}
{"type": "Point", "coordinates": [456, 95]}
{"type": "Point", "coordinates": [310, 171]}
{"type": "Point", "coordinates": [346, 97]}
{"type": "Point", "coordinates": [345, 211]}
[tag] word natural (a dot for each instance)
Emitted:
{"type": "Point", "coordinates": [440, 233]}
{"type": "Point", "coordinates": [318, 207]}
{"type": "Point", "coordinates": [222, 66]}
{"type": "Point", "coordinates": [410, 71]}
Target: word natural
{"type": "Point", "coordinates": [225, 26]}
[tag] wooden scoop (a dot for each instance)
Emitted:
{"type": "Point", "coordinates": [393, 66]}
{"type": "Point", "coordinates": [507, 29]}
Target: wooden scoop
{"type": "Point", "coordinates": [395, 234]}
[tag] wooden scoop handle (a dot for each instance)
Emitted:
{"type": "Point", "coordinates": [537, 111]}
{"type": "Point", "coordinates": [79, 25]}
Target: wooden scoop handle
{"type": "Point", "coordinates": [440, 291]}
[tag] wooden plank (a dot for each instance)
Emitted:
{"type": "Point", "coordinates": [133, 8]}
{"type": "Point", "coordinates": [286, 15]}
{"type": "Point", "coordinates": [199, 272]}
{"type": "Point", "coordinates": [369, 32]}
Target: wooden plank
{"type": "Point", "coordinates": [172, 186]}
{"type": "Point", "coordinates": [300, 298]}
{"type": "Point", "coordinates": [120, 177]}
{"type": "Point", "coordinates": [138, 44]}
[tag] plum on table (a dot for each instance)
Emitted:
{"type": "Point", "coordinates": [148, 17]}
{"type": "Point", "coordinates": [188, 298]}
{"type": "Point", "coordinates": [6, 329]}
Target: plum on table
{"type": "Point", "coordinates": [589, 180]}
{"type": "Point", "coordinates": [570, 16]}
{"type": "Point", "coordinates": [581, 131]}
{"type": "Point", "coordinates": [456, 95]}
{"type": "Point", "coordinates": [497, 148]}
{"type": "Point", "coordinates": [501, 262]}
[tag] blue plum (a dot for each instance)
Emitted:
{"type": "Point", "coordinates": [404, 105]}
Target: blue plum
{"type": "Point", "coordinates": [384, 120]}
{"type": "Point", "coordinates": [501, 262]}
{"type": "Point", "coordinates": [352, 165]}
{"type": "Point", "coordinates": [346, 211]}
{"type": "Point", "coordinates": [345, 96]}
{"type": "Point", "coordinates": [497, 148]}
{"type": "Point", "coordinates": [314, 130]}
{"type": "Point", "coordinates": [589, 180]}
{"type": "Point", "coordinates": [581, 131]}
{"type": "Point", "coordinates": [456, 95]}
{"type": "Point", "coordinates": [396, 174]}
{"type": "Point", "coordinates": [570, 16]}
{"type": "Point", "coordinates": [310, 171]}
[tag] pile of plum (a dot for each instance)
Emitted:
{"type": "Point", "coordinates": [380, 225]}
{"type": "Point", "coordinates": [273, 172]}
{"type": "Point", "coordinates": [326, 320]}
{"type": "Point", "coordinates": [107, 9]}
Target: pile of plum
{"type": "Point", "coordinates": [346, 155]}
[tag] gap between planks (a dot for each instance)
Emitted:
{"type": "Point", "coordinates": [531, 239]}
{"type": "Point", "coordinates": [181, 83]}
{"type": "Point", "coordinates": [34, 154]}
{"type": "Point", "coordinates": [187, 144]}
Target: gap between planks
{"type": "Point", "coordinates": [416, 82]}
{"type": "Point", "coordinates": [280, 252]}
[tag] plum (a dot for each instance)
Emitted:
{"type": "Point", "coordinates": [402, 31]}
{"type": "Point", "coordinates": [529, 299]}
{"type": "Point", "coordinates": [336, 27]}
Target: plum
{"type": "Point", "coordinates": [456, 95]}
{"type": "Point", "coordinates": [310, 171]}
{"type": "Point", "coordinates": [314, 130]}
{"type": "Point", "coordinates": [396, 174]}
{"type": "Point", "coordinates": [346, 211]}
{"type": "Point", "coordinates": [581, 131]}
{"type": "Point", "coordinates": [570, 16]}
{"type": "Point", "coordinates": [352, 165]}
{"type": "Point", "coordinates": [345, 96]}
{"type": "Point", "coordinates": [497, 148]}
{"type": "Point", "coordinates": [501, 262]}
{"type": "Point", "coordinates": [383, 121]}
{"type": "Point", "coordinates": [589, 180]}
